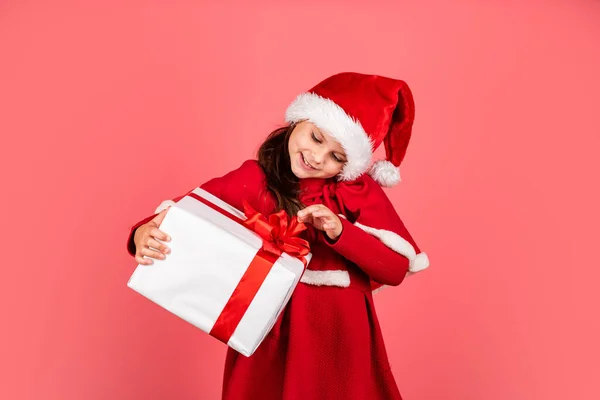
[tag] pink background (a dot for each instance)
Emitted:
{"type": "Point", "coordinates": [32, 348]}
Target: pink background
{"type": "Point", "coordinates": [106, 110]}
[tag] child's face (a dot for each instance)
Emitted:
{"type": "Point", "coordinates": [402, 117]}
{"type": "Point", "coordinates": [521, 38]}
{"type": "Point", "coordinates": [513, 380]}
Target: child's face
{"type": "Point", "coordinates": [314, 153]}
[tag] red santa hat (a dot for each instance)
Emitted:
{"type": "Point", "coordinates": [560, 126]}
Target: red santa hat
{"type": "Point", "coordinates": [361, 112]}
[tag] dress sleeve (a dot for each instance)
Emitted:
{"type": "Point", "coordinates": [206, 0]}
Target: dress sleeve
{"type": "Point", "coordinates": [378, 241]}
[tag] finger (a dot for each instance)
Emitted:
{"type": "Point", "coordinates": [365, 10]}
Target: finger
{"type": "Point", "coordinates": [307, 219]}
{"type": "Point", "coordinates": [143, 261]}
{"type": "Point", "coordinates": [161, 215]}
{"type": "Point", "coordinates": [160, 235]}
{"type": "Point", "coordinates": [157, 255]}
{"type": "Point", "coordinates": [323, 213]}
{"type": "Point", "coordinates": [158, 245]}
{"type": "Point", "coordinates": [310, 209]}
{"type": "Point", "coordinates": [307, 215]}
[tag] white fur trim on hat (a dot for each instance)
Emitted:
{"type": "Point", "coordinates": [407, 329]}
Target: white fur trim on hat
{"type": "Point", "coordinates": [165, 204]}
{"type": "Point", "coordinates": [339, 278]}
{"type": "Point", "coordinates": [385, 173]}
{"type": "Point", "coordinates": [332, 118]}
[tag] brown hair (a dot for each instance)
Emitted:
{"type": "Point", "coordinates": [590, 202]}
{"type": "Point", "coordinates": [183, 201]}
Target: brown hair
{"type": "Point", "coordinates": [274, 158]}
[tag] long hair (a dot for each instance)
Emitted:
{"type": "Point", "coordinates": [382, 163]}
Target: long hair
{"type": "Point", "coordinates": [274, 158]}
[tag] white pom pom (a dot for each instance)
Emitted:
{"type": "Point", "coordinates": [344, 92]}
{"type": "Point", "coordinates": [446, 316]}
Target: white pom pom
{"type": "Point", "coordinates": [419, 263]}
{"type": "Point", "coordinates": [385, 173]}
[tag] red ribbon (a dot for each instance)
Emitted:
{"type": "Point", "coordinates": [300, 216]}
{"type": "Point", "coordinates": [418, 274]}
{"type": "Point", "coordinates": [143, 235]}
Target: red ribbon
{"type": "Point", "coordinates": [279, 235]}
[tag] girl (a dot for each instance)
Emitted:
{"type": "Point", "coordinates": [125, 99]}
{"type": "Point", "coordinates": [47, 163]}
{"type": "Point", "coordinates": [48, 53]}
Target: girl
{"type": "Point", "coordinates": [327, 344]}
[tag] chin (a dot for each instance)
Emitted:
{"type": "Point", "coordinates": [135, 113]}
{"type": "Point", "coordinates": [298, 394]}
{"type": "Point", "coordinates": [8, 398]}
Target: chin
{"type": "Point", "coordinates": [301, 174]}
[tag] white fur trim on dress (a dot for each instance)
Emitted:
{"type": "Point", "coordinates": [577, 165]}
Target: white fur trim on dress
{"type": "Point", "coordinates": [339, 278]}
{"type": "Point", "coordinates": [417, 262]}
{"type": "Point", "coordinates": [332, 118]}
{"type": "Point", "coordinates": [398, 244]}
{"type": "Point", "coordinates": [165, 204]}
{"type": "Point", "coordinates": [385, 173]}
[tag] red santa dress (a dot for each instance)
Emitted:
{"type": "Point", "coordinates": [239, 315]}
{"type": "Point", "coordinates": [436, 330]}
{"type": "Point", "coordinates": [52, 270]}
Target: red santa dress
{"type": "Point", "coordinates": [327, 343]}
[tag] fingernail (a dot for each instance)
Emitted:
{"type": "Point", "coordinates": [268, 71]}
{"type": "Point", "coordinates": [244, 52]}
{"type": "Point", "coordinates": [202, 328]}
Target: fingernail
{"type": "Point", "coordinates": [168, 238]}
{"type": "Point", "coordinates": [167, 250]}
{"type": "Point", "coordinates": [151, 262]}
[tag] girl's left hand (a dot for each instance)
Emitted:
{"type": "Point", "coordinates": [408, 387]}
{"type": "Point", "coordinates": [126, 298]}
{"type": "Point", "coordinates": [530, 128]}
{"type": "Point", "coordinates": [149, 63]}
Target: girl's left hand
{"type": "Point", "coordinates": [323, 219]}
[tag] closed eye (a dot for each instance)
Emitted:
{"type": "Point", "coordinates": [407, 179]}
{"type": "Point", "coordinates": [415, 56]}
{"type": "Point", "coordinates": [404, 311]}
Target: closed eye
{"type": "Point", "coordinates": [337, 159]}
{"type": "Point", "coordinates": [315, 138]}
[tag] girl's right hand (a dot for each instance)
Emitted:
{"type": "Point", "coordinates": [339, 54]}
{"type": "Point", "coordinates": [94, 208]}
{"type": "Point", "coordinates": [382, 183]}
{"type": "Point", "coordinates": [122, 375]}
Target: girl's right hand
{"type": "Point", "coordinates": [146, 241]}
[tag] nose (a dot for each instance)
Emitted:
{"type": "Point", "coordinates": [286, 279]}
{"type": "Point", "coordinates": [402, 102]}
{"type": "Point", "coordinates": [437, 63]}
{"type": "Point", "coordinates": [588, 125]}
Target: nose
{"type": "Point", "coordinates": [318, 157]}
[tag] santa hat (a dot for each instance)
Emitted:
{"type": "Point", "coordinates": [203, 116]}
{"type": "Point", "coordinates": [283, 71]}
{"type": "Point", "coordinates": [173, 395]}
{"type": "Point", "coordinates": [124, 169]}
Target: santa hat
{"type": "Point", "coordinates": [361, 112]}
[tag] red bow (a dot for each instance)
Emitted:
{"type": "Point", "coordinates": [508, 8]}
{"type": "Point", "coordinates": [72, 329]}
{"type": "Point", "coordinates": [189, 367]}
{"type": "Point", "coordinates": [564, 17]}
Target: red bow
{"type": "Point", "coordinates": [279, 233]}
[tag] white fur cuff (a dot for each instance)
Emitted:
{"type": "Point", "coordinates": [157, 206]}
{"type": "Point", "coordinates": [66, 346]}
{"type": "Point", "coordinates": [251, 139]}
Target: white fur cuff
{"type": "Point", "coordinates": [397, 243]}
{"type": "Point", "coordinates": [164, 205]}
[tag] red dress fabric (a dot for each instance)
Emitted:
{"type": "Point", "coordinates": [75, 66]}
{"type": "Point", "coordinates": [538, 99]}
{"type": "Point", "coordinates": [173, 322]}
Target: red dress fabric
{"type": "Point", "coordinates": [327, 343]}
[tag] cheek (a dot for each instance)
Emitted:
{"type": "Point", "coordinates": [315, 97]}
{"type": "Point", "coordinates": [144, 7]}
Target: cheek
{"type": "Point", "coordinates": [301, 145]}
{"type": "Point", "coordinates": [293, 146]}
{"type": "Point", "coordinates": [334, 168]}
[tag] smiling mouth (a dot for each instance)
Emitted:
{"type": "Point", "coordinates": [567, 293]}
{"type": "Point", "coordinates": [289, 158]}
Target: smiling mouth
{"type": "Point", "coordinates": [306, 163]}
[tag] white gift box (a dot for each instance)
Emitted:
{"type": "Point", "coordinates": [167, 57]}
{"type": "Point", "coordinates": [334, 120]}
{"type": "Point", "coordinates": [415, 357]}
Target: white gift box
{"type": "Point", "coordinates": [210, 253]}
